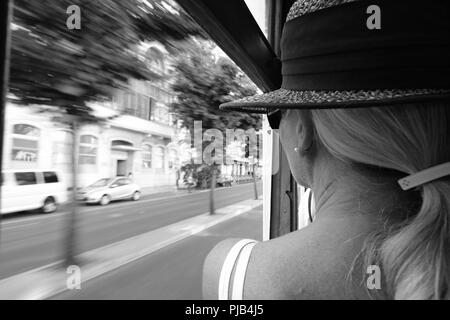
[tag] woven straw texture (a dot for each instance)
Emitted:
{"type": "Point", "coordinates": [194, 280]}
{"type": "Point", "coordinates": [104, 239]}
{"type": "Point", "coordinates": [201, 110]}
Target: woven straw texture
{"type": "Point", "coordinates": [283, 98]}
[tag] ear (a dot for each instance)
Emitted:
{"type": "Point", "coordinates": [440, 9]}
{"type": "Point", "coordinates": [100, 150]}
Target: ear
{"type": "Point", "coordinates": [304, 130]}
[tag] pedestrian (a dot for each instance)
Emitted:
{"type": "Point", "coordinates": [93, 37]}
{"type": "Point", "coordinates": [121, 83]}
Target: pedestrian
{"type": "Point", "coordinates": [190, 182]}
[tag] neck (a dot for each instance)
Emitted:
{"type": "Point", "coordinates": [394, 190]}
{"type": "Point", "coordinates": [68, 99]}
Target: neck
{"type": "Point", "coordinates": [349, 193]}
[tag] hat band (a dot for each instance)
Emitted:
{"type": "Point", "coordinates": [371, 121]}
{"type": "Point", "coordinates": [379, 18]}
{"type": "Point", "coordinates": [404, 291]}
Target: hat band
{"type": "Point", "coordinates": [334, 49]}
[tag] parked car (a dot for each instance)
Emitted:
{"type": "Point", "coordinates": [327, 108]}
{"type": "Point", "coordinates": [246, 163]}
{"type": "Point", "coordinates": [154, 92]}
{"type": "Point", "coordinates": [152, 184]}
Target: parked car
{"type": "Point", "coordinates": [224, 181]}
{"type": "Point", "coordinates": [106, 190]}
{"type": "Point", "coordinates": [24, 190]}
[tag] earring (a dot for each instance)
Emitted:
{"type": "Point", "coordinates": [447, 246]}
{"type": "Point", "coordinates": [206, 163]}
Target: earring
{"type": "Point", "coordinates": [303, 151]}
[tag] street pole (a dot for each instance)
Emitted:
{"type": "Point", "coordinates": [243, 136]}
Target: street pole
{"type": "Point", "coordinates": [211, 194]}
{"type": "Point", "coordinates": [71, 224]}
{"type": "Point", "coordinates": [254, 183]}
{"type": "Point", "coordinates": [6, 12]}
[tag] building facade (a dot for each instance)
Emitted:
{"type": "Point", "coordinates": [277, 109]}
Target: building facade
{"type": "Point", "coordinates": [140, 140]}
{"type": "Point", "coordinates": [137, 142]}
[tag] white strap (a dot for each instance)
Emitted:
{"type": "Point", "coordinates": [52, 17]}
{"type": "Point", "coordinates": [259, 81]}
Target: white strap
{"type": "Point", "coordinates": [227, 268]}
{"type": "Point", "coordinates": [425, 176]}
{"type": "Point", "coordinates": [241, 270]}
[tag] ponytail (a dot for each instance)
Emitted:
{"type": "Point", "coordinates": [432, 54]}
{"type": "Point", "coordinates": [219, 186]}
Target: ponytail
{"type": "Point", "coordinates": [414, 251]}
{"type": "Point", "coordinates": [416, 257]}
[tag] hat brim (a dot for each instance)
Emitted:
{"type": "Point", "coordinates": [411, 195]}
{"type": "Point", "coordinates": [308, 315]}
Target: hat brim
{"type": "Point", "coordinates": [290, 99]}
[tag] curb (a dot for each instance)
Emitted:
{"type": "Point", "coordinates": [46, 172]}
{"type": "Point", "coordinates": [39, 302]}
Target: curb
{"type": "Point", "coordinates": [49, 280]}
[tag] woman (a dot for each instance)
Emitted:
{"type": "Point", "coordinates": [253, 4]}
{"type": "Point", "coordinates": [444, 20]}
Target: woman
{"type": "Point", "coordinates": [360, 130]}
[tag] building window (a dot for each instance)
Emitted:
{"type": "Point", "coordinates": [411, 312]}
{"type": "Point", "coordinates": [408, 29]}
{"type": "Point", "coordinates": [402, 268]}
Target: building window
{"type": "Point", "coordinates": [158, 158]}
{"type": "Point", "coordinates": [143, 107]}
{"type": "Point", "coordinates": [121, 143]}
{"type": "Point", "coordinates": [25, 144]}
{"type": "Point", "coordinates": [151, 108]}
{"type": "Point", "coordinates": [160, 113]}
{"type": "Point", "coordinates": [62, 150]}
{"type": "Point", "coordinates": [137, 105]}
{"type": "Point", "coordinates": [88, 149]}
{"type": "Point", "coordinates": [155, 60]}
{"type": "Point", "coordinates": [173, 158]}
{"type": "Point", "coordinates": [146, 156]}
{"type": "Point", "coordinates": [132, 101]}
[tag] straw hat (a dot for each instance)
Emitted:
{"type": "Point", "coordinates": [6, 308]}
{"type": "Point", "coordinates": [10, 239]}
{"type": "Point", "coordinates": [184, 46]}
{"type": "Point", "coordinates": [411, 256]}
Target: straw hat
{"type": "Point", "coordinates": [358, 53]}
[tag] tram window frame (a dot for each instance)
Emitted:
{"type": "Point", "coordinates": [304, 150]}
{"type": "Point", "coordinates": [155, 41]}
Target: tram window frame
{"type": "Point", "coordinates": [258, 57]}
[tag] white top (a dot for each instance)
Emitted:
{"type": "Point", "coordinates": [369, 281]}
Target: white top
{"type": "Point", "coordinates": [238, 255]}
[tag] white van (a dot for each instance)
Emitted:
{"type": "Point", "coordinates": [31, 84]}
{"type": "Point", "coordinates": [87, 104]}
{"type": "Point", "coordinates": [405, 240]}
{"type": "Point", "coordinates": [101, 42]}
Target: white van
{"type": "Point", "coordinates": [24, 190]}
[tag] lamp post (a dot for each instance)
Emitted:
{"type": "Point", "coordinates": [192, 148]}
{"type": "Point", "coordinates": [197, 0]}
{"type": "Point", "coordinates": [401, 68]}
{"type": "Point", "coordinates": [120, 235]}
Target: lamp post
{"type": "Point", "coordinates": [252, 162]}
{"type": "Point", "coordinates": [6, 12]}
{"type": "Point", "coordinates": [213, 186]}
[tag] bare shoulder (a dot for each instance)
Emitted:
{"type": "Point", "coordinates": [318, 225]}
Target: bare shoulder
{"type": "Point", "coordinates": [313, 263]}
{"type": "Point", "coordinates": [259, 281]}
{"type": "Point", "coordinates": [212, 267]}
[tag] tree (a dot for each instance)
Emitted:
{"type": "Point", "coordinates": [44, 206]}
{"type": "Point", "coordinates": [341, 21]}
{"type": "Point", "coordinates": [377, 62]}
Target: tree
{"type": "Point", "coordinates": [204, 81]}
{"type": "Point", "coordinates": [63, 69]}
{"type": "Point", "coordinates": [166, 22]}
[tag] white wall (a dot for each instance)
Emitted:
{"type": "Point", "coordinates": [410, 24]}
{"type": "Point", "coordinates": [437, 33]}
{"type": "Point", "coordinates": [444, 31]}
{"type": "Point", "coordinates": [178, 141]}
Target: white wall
{"type": "Point", "coordinates": [104, 166]}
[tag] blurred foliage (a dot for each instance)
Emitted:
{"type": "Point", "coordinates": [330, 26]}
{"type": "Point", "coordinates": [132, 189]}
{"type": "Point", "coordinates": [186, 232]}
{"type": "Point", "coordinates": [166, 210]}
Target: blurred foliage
{"type": "Point", "coordinates": [52, 65]}
{"type": "Point", "coordinates": [164, 21]}
{"type": "Point", "coordinates": [202, 175]}
{"type": "Point", "coordinates": [204, 81]}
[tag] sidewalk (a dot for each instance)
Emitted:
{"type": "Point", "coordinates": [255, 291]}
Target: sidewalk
{"type": "Point", "coordinates": [173, 190]}
{"type": "Point", "coordinates": [49, 280]}
{"type": "Point", "coordinates": [161, 189]}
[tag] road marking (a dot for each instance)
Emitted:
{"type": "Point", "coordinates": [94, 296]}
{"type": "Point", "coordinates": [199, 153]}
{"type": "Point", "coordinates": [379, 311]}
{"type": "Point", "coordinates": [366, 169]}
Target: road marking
{"type": "Point", "coordinates": [20, 226]}
{"type": "Point", "coordinates": [54, 215]}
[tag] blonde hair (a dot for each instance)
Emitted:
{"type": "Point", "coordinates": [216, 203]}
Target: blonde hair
{"type": "Point", "coordinates": [414, 253]}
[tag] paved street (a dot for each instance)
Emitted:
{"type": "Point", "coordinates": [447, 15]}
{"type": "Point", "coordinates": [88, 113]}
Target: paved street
{"type": "Point", "coordinates": [31, 241]}
{"type": "Point", "coordinates": [170, 273]}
